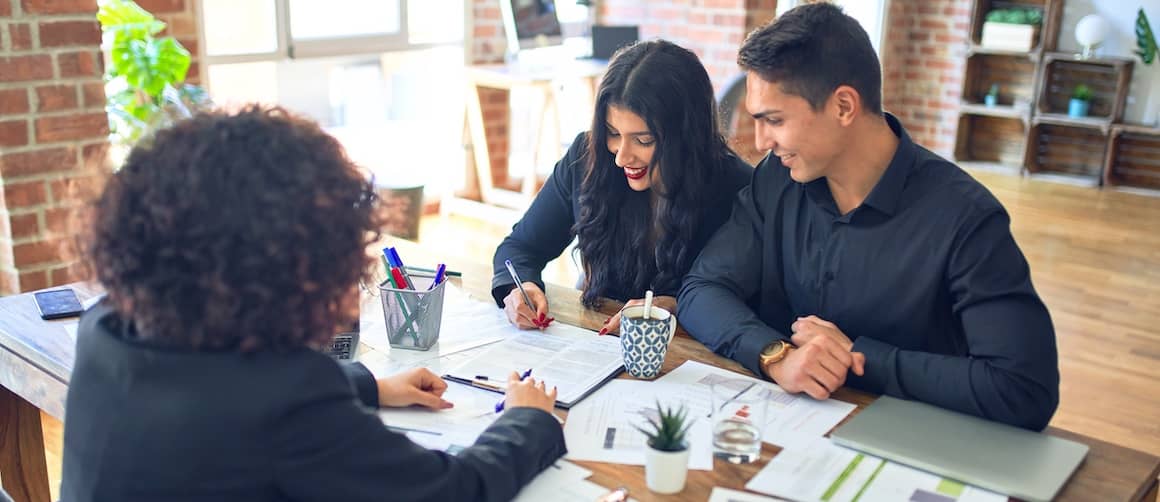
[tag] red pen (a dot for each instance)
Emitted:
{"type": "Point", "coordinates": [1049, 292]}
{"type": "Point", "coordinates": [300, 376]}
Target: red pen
{"type": "Point", "coordinates": [399, 279]}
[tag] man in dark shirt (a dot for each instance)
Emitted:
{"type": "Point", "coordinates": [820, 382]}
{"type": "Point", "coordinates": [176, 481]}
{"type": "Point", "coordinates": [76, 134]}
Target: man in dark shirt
{"type": "Point", "coordinates": [857, 257]}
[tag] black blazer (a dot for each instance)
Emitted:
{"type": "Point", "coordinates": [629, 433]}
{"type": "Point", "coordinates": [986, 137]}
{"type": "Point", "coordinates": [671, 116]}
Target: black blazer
{"type": "Point", "coordinates": [546, 228]}
{"type": "Point", "coordinates": [151, 423]}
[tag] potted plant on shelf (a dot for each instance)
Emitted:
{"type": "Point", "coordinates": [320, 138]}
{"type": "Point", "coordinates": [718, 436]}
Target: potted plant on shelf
{"type": "Point", "coordinates": [1081, 99]}
{"type": "Point", "coordinates": [145, 78]}
{"type": "Point", "coordinates": [1015, 29]}
{"type": "Point", "coordinates": [992, 97]}
{"type": "Point", "coordinates": [667, 459]}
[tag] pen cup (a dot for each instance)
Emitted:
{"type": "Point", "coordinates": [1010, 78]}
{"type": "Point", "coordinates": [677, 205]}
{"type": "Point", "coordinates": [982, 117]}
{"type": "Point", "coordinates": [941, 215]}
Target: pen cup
{"type": "Point", "coordinates": [412, 316]}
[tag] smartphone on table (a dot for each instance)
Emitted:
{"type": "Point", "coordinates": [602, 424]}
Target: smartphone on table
{"type": "Point", "coordinates": [58, 304]}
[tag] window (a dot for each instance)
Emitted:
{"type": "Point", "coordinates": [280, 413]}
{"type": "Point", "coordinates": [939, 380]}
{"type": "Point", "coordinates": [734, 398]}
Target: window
{"type": "Point", "coordinates": [385, 77]}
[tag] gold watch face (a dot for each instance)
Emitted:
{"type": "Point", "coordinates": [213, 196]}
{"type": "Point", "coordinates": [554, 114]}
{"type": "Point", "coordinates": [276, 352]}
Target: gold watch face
{"type": "Point", "coordinates": [773, 348]}
{"type": "Point", "coordinates": [773, 352]}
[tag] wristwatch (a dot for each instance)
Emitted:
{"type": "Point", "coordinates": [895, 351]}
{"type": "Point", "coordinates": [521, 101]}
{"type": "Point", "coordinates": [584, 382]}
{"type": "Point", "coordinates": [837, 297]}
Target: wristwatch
{"type": "Point", "coordinates": [774, 352]}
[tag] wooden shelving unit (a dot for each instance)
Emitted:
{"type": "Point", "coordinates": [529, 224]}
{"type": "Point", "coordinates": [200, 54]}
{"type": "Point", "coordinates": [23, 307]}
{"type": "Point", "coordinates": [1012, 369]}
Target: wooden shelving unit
{"type": "Point", "coordinates": [995, 137]}
{"type": "Point", "coordinates": [1029, 130]}
{"type": "Point", "coordinates": [1108, 78]}
{"type": "Point", "coordinates": [1133, 157]}
{"type": "Point", "coordinates": [1066, 152]}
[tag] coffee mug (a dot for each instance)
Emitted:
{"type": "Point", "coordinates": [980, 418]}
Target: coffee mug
{"type": "Point", "coordinates": [644, 342]}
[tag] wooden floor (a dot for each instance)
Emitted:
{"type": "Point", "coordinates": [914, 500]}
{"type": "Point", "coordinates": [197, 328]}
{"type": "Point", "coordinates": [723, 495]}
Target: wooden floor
{"type": "Point", "coordinates": [1095, 260]}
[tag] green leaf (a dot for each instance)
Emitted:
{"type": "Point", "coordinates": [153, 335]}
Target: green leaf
{"type": "Point", "coordinates": [1145, 39]}
{"type": "Point", "coordinates": [145, 77]}
{"type": "Point", "coordinates": [1028, 16]}
{"type": "Point", "coordinates": [125, 16]}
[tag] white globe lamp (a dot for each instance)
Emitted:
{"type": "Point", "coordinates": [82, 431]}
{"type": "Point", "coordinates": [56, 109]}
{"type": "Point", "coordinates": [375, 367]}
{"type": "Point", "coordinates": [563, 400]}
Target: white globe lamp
{"type": "Point", "coordinates": [1090, 32]}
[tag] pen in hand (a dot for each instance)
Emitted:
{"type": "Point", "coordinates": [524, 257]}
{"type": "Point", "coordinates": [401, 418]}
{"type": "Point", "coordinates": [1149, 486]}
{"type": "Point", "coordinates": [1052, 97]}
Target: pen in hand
{"type": "Point", "coordinates": [499, 405]}
{"type": "Point", "coordinates": [540, 322]}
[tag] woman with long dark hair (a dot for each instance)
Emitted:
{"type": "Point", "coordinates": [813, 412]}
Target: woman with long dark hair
{"type": "Point", "coordinates": [642, 190]}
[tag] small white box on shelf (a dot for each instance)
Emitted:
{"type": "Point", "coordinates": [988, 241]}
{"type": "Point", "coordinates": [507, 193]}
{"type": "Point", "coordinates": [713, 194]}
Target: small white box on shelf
{"type": "Point", "coordinates": [1014, 37]}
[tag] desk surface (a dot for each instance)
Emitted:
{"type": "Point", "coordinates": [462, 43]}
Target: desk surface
{"type": "Point", "coordinates": [36, 358]}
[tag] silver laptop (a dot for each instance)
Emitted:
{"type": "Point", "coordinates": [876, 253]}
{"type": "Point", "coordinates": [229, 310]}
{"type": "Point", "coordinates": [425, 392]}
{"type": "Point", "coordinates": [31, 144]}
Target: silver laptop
{"type": "Point", "coordinates": [1012, 461]}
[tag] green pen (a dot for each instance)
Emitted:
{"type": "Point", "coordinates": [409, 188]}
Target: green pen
{"type": "Point", "coordinates": [408, 326]}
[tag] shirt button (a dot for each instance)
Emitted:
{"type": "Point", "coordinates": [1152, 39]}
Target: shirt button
{"type": "Point", "coordinates": [829, 275]}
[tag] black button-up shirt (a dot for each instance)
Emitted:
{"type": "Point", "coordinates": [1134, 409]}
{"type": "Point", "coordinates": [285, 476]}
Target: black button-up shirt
{"type": "Point", "coordinates": [924, 277]}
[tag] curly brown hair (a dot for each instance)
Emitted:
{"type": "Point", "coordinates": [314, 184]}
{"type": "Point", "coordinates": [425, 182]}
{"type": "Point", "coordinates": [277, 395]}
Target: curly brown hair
{"type": "Point", "coordinates": [236, 231]}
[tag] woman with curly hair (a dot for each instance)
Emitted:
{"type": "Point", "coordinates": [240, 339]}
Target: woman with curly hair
{"type": "Point", "coordinates": [642, 190]}
{"type": "Point", "coordinates": [231, 247]}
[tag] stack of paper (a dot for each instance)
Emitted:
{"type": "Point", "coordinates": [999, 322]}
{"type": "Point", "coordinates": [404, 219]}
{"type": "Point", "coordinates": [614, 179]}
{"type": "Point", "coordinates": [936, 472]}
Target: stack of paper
{"type": "Point", "coordinates": [573, 360]}
{"type": "Point", "coordinates": [825, 471]}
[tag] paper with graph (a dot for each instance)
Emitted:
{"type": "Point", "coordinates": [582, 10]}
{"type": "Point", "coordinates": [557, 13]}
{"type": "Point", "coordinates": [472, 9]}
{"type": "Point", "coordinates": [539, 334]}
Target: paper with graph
{"type": "Point", "coordinates": [823, 471]}
{"type": "Point", "coordinates": [601, 428]}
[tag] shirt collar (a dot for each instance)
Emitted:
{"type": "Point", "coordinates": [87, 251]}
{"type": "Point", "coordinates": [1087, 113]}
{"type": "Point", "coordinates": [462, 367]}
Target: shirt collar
{"type": "Point", "coordinates": [887, 194]}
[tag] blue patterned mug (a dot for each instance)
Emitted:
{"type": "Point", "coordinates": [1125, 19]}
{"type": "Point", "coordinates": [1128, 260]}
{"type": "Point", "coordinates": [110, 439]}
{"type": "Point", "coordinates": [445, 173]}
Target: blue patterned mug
{"type": "Point", "coordinates": [644, 342]}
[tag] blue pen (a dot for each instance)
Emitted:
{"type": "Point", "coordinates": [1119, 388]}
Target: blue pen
{"type": "Point", "coordinates": [398, 262]}
{"type": "Point", "coordinates": [499, 405]}
{"type": "Point", "coordinates": [439, 271]}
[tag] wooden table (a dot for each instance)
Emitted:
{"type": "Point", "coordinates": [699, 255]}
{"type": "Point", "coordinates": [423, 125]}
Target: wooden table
{"type": "Point", "coordinates": [36, 358]}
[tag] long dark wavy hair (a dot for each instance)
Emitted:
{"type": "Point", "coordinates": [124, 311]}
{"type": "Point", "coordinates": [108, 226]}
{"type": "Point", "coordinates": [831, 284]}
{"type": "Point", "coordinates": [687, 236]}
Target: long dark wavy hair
{"type": "Point", "coordinates": [627, 241]}
{"type": "Point", "coordinates": [238, 231]}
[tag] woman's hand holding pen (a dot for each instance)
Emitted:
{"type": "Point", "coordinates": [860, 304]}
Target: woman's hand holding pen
{"type": "Point", "coordinates": [612, 324]}
{"type": "Point", "coordinates": [528, 393]}
{"type": "Point", "coordinates": [417, 386]}
{"type": "Point", "coordinates": [520, 314]}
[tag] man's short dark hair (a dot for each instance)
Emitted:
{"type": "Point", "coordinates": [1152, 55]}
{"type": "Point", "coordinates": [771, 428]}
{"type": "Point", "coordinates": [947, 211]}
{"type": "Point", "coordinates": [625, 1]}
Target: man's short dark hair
{"type": "Point", "coordinates": [812, 50]}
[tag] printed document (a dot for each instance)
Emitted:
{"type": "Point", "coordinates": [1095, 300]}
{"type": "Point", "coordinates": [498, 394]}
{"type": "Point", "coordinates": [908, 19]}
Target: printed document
{"type": "Point", "coordinates": [825, 471]}
{"type": "Point", "coordinates": [572, 359]}
{"type": "Point", "coordinates": [601, 428]}
{"type": "Point", "coordinates": [791, 420]}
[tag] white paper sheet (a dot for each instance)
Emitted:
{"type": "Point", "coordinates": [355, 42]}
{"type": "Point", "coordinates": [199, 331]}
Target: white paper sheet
{"type": "Point", "coordinates": [823, 470]}
{"type": "Point", "coordinates": [71, 329]}
{"type": "Point", "coordinates": [572, 359]}
{"type": "Point", "coordinates": [600, 428]}
{"type": "Point", "coordinates": [726, 495]}
{"type": "Point", "coordinates": [791, 420]}
{"type": "Point", "coordinates": [447, 430]}
{"type": "Point", "coordinates": [561, 481]}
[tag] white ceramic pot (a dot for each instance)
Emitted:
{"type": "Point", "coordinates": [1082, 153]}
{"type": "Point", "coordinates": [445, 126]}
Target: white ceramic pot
{"type": "Point", "coordinates": [665, 471]}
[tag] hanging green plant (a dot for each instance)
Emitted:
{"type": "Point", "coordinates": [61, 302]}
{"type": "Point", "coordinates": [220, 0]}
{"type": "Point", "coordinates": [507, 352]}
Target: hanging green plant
{"type": "Point", "coordinates": [1145, 39]}
{"type": "Point", "coordinates": [145, 80]}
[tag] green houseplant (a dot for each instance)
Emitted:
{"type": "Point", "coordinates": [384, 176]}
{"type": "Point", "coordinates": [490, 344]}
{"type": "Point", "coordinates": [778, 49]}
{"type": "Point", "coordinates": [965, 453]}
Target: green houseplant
{"type": "Point", "coordinates": [145, 77]}
{"type": "Point", "coordinates": [1015, 29]}
{"type": "Point", "coordinates": [1147, 49]}
{"type": "Point", "coordinates": [667, 458]}
{"type": "Point", "coordinates": [992, 96]}
{"type": "Point", "coordinates": [1080, 101]}
{"type": "Point", "coordinates": [1145, 39]}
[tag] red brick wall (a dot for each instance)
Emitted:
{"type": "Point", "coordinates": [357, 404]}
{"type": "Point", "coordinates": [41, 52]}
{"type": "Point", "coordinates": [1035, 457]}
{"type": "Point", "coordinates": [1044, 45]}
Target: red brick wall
{"type": "Point", "coordinates": [51, 120]}
{"type": "Point", "coordinates": [488, 43]}
{"type": "Point", "coordinates": [53, 127]}
{"type": "Point", "coordinates": [923, 63]}
{"type": "Point", "coordinates": [713, 29]}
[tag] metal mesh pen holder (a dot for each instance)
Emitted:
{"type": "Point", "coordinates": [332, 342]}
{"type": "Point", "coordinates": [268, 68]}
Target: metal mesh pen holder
{"type": "Point", "coordinates": [413, 315]}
